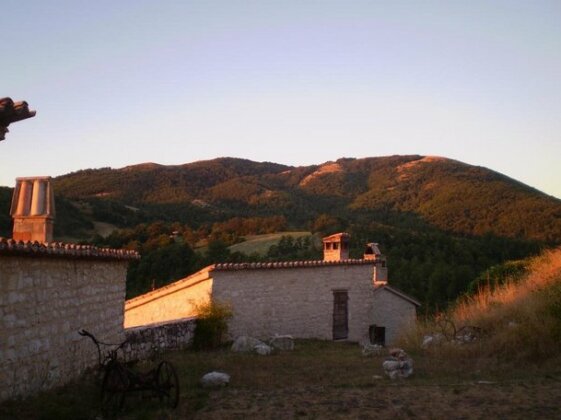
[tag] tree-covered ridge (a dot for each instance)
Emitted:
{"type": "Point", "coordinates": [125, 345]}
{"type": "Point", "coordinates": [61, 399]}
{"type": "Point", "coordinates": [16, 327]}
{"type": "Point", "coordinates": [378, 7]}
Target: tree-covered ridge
{"type": "Point", "coordinates": [159, 184]}
{"type": "Point", "coordinates": [464, 199]}
{"type": "Point", "coordinates": [447, 194]}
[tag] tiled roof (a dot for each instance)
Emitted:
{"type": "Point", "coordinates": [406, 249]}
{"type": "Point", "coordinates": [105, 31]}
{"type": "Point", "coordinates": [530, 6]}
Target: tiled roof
{"type": "Point", "coordinates": [59, 249]}
{"type": "Point", "coordinates": [288, 264]}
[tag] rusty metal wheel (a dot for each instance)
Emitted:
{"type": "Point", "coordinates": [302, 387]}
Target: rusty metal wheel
{"type": "Point", "coordinates": [167, 384]}
{"type": "Point", "coordinates": [113, 389]}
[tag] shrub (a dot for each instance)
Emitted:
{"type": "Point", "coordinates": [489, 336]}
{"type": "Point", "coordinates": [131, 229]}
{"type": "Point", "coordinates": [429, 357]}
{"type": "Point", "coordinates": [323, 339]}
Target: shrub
{"type": "Point", "coordinates": [212, 324]}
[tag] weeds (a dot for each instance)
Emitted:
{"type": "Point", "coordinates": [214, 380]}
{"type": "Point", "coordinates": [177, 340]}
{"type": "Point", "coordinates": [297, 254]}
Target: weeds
{"type": "Point", "coordinates": [212, 324]}
{"type": "Point", "coordinates": [520, 319]}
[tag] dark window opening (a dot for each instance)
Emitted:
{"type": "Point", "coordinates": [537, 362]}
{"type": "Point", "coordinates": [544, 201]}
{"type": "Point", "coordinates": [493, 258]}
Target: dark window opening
{"type": "Point", "coordinates": [377, 335]}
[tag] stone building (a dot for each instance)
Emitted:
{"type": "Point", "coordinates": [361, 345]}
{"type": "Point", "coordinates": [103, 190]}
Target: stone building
{"type": "Point", "coordinates": [48, 292]}
{"type": "Point", "coordinates": [336, 298]}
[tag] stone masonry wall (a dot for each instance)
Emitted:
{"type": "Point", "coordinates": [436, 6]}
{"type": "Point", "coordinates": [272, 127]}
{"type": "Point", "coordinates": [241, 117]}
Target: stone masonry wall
{"type": "Point", "coordinates": [43, 304]}
{"type": "Point", "coordinates": [144, 342]}
{"type": "Point", "coordinates": [394, 313]}
{"type": "Point", "coordinates": [296, 301]}
{"type": "Point", "coordinates": [174, 301]}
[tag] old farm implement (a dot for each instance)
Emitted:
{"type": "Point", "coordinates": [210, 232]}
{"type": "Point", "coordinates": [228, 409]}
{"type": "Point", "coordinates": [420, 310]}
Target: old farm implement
{"type": "Point", "coordinates": [121, 379]}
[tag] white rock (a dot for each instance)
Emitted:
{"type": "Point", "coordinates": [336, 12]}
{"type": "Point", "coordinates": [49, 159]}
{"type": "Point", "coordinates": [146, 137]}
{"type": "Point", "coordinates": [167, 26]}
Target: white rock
{"type": "Point", "coordinates": [372, 349]}
{"type": "Point", "coordinates": [245, 344]}
{"type": "Point", "coordinates": [263, 349]}
{"type": "Point", "coordinates": [215, 379]}
{"type": "Point", "coordinates": [431, 340]}
{"type": "Point", "coordinates": [399, 366]}
{"type": "Point", "coordinates": [282, 342]}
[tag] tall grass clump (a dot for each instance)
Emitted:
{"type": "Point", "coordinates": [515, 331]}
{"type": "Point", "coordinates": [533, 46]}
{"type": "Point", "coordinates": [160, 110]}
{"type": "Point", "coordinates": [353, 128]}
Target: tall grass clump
{"type": "Point", "coordinates": [212, 324]}
{"type": "Point", "coordinates": [519, 319]}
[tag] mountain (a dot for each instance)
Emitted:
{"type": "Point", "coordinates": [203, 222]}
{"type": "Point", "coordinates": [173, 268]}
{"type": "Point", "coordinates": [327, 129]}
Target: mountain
{"type": "Point", "coordinates": [442, 223]}
{"type": "Point", "coordinates": [444, 193]}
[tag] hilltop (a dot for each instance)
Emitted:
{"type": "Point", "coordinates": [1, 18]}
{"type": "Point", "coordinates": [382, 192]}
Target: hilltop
{"type": "Point", "coordinates": [444, 193]}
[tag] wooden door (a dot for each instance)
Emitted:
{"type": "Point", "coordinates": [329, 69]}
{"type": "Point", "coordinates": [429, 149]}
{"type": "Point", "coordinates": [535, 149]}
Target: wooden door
{"type": "Point", "coordinates": [340, 314]}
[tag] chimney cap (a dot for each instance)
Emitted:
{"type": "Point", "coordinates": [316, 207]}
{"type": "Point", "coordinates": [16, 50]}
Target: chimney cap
{"type": "Point", "coordinates": [337, 236]}
{"type": "Point", "coordinates": [33, 178]}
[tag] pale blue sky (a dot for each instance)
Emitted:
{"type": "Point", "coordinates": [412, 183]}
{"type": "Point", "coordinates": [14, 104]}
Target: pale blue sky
{"type": "Point", "coordinates": [117, 83]}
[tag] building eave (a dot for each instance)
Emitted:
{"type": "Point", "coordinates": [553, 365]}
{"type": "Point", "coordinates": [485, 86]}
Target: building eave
{"type": "Point", "coordinates": [398, 293]}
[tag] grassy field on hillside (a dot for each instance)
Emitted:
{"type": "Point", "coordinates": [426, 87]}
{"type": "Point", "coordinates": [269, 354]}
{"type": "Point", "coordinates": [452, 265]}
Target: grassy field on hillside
{"type": "Point", "coordinates": [260, 244]}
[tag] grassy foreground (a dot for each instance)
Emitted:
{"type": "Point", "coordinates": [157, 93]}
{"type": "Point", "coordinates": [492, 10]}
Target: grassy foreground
{"type": "Point", "coordinates": [323, 379]}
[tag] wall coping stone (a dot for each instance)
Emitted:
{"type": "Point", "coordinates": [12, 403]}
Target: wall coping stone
{"type": "Point", "coordinates": [11, 247]}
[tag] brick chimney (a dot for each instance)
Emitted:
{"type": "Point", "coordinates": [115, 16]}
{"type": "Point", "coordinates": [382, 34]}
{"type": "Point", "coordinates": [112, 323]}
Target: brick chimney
{"type": "Point", "coordinates": [33, 209]}
{"type": "Point", "coordinates": [336, 247]}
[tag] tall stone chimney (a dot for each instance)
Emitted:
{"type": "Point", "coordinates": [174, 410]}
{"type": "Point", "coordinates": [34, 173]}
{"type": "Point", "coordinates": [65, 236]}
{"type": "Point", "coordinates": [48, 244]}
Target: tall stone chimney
{"type": "Point", "coordinates": [33, 209]}
{"type": "Point", "coordinates": [336, 247]}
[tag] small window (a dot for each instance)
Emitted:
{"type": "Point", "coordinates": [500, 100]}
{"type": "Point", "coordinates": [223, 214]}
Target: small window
{"type": "Point", "coordinates": [328, 245]}
{"type": "Point", "coordinates": [377, 335]}
{"type": "Point", "coordinates": [335, 245]}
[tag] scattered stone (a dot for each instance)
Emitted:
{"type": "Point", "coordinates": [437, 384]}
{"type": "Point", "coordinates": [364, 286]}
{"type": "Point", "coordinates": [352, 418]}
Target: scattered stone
{"type": "Point", "coordinates": [377, 377]}
{"type": "Point", "coordinates": [263, 349]}
{"type": "Point", "coordinates": [431, 340]}
{"type": "Point", "coordinates": [468, 334]}
{"type": "Point", "coordinates": [512, 324]}
{"type": "Point", "coordinates": [372, 349]}
{"type": "Point", "coordinates": [246, 344]}
{"type": "Point", "coordinates": [399, 365]}
{"type": "Point", "coordinates": [215, 379]}
{"type": "Point", "coordinates": [282, 342]}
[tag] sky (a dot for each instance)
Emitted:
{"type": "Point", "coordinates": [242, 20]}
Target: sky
{"type": "Point", "coordinates": [118, 83]}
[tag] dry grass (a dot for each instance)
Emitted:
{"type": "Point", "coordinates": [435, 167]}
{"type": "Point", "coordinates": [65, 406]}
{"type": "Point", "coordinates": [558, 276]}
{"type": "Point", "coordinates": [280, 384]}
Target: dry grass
{"type": "Point", "coordinates": [520, 320]}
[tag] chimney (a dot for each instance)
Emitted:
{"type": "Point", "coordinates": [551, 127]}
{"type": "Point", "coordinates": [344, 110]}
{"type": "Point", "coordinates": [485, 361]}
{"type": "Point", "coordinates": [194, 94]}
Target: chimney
{"type": "Point", "coordinates": [372, 252]}
{"type": "Point", "coordinates": [33, 209]}
{"type": "Point", "coordinates": [336, 247]}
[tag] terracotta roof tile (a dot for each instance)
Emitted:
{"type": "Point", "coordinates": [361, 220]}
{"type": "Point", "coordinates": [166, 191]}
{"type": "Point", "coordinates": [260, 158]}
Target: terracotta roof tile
{"type": "Point", "coordinates": [288, 264]}
{"type": "Point", "coordinates": [60, 249]}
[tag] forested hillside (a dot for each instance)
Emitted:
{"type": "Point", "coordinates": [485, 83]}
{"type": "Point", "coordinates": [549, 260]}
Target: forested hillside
{"type": "Point", "coordinates": [441, 222]}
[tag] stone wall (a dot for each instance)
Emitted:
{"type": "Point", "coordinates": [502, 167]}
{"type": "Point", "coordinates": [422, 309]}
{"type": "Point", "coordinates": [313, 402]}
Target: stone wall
{"type": "Point", "coordinates": [296, 301]}
{"type": "Point", "coordinates": [44, 302]}
{"type": "Point", "coordinates": [174, 301]}
{"type": "Point", "coordinates": [144, 342]}
{"type": "Point", "coordinates": [393, 312]}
